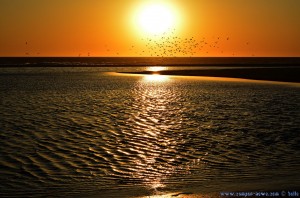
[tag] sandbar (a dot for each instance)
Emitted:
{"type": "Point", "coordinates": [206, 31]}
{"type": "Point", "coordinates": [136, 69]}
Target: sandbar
{"type": "Point", "coordinates": [288, 74]}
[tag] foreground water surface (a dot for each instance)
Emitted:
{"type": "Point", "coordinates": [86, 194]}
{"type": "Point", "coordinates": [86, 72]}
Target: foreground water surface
{"type": "Point", "coordinates": [84, 132]}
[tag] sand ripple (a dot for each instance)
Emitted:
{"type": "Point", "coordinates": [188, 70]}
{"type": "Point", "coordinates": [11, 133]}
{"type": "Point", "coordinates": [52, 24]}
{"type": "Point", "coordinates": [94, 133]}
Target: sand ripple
{"type": "Point", "coordinates": [74, 134]}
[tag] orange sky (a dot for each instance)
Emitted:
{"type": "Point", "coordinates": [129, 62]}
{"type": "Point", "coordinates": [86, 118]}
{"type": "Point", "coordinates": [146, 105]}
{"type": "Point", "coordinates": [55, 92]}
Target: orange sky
{"type": "Point", "coordinates": [108, 28]}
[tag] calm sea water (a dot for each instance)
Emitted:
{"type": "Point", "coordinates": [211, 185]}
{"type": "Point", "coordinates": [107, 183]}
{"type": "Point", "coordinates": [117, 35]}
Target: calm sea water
{"type": "Point", "coordinates": [86, 132]}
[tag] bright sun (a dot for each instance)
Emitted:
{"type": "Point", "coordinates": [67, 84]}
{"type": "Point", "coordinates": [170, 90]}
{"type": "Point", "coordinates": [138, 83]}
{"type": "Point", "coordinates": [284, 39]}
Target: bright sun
{"type": "Point", "coordinates": [156, 18]}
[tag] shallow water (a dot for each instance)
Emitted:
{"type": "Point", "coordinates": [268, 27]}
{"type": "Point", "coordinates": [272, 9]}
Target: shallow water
{"type": "Point", "coordinates": [97, 134]}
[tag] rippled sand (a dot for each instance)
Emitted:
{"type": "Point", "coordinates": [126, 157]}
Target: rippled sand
{"type": "Point", "coordinates": [94, 134]}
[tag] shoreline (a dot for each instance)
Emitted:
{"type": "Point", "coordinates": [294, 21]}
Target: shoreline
{"type": "Point", "coordinates": [149, 61]}
{"type": "Point", "coordinates": [270, 74]}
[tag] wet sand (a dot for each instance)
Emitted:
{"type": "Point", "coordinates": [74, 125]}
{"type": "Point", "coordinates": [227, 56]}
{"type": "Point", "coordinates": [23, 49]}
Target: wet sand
{"type": "Point", "coordinates": [289, 74]}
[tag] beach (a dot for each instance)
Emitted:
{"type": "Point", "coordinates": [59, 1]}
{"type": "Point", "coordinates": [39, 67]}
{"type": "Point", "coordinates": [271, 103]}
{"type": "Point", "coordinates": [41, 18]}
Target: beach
{"type": "Point", "coordinates": [93, 132]}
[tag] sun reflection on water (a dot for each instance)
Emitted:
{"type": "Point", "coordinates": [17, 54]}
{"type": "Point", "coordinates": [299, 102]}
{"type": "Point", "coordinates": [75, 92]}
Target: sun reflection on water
{"type": "Point", "coordinates": [156, 118]}
{"type": "Point", "coordinates": [156, 68]}
{"type": "Point", "coordinates": [156, 78]}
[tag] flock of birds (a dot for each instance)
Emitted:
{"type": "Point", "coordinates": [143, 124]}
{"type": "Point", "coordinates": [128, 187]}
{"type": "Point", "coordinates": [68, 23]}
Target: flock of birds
{"type": "Point", "coordinates": [168, 44]}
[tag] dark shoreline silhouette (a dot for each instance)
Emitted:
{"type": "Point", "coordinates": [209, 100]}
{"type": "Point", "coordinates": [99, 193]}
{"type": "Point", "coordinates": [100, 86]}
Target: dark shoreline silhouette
{"type": "Point", "coordinates": [285, 69]}
{"type": "Point", "coordinates": [288, 74]}
{"type": "Point", "coordinates": [149, 61]}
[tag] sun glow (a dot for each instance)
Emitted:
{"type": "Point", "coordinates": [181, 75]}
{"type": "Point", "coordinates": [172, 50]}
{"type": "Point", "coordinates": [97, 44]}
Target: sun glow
{"type": "Point", "coordinates": [156, 18]}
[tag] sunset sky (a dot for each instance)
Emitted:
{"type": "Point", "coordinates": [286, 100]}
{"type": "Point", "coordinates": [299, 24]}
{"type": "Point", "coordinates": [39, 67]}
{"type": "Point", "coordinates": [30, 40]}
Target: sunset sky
{"type": "Point", "coordinates": [149, 28]}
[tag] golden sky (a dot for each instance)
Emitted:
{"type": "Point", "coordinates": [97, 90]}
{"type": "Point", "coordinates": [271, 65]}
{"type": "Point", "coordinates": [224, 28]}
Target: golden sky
{"type": "Point", "coordinates": [129, 27]}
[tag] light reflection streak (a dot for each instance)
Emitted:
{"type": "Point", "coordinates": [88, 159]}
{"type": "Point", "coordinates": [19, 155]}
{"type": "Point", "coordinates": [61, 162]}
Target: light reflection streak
{"type": "Point", "coordinates": [156, 118]}
{"type": "Point", "coordinates": [156, 78]}
{"type": "Point", "coordinates": [156, 68]}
